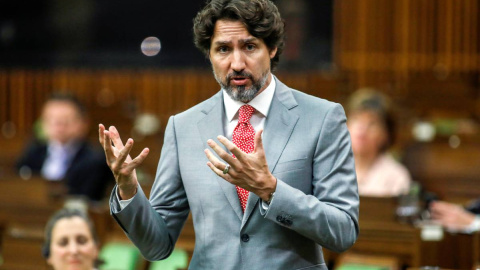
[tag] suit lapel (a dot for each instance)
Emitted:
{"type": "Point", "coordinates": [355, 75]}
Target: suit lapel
{"type": "Point", "coordinates": [279, 124]}
{"type": "Point", "coordinates": [210, 127]}
{"type": "Point", "coordinates": [278, 127]}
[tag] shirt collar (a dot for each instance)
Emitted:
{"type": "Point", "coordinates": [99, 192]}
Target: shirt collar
{"type": "Point", "coordinates": [261, 102]}
{"type": "Point", "coordinates": [67, 148]}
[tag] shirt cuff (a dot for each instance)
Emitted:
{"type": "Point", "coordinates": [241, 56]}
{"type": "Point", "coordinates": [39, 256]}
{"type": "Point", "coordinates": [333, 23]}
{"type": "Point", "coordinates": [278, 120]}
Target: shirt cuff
{"type": "Point", "coordinates": [123, 203]}
{"type": "Point", "coordinates": [265, 205]}
{"type": "Point", "coordinates": [474, 226]}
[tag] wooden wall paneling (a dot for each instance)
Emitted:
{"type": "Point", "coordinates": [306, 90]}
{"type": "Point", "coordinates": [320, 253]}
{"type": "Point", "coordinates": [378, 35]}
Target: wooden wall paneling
{"type": "Point", "coordinates": [37, 94]}
{"type": "Point", "coordinates": [146, 98]}
{"type": "Point", "coordinates": [337, 30]}
{"type": "Point", "coordinates": [467, 45]}
{"type": "Point", "coordinates": [431, 49]}
{"type": "Point", "coordinates": [164, 101]}
{"type": "Point", "coordinates": [463, 22]}
{"type": "Point", "coordinates": [4, 95]}
{"type": "Point", "coordinates": [414, 34]}
{"type": "Point", "coordinates": [475, 33]}
{"type": "Point", "coordinates": [448, 32]}
{"type": "Point", "coordinates": [17, 108]}
{"type": "Point", "coordinates": [456, 35]}
{"type": "Point", "coordinates": [185, 89]}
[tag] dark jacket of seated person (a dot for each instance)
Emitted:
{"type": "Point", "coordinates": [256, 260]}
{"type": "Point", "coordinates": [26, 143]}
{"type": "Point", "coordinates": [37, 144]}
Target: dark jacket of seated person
{"type": "Point", "coordinates": [86, 172]}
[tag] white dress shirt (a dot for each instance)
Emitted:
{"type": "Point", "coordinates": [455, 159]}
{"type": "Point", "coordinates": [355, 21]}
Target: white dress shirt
{"type": "Point", "coordinates": [261, 103]}
{"type": "Point", "coordinates": [59, 157]}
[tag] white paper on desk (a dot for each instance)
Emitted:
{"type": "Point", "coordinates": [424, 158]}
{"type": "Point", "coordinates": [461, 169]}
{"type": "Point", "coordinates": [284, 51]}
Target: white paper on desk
{"type": "Point", "coordinates": [431, 232]}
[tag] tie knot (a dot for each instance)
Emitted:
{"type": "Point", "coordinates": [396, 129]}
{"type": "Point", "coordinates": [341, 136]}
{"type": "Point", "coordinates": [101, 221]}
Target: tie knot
{"type": "Point", "coordinates": [245, 113]}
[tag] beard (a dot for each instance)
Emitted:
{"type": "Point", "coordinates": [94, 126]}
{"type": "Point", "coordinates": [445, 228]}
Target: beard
{"type": "Point", "coordinates": [241, 92]}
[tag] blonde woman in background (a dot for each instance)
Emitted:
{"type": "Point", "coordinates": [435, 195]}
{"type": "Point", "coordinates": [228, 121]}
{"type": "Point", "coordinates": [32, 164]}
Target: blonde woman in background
{"type": "Point", "coordinates": [371, 125]}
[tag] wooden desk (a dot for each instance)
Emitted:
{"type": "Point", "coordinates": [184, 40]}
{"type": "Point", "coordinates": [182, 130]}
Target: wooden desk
{"type": "Point", "coordinates": [382, 234]}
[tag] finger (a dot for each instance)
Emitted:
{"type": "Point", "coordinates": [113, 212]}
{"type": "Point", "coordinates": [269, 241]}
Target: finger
{"type": "Point", "coordinates": [258, 142]}
{"type": "Point", "coordinates": [222, 153]}
{"type": "Point", "coordinates": [101, 129]}
{"type": "Point", "coordinates": [219, 172]}
{"type": "Point", "coordinates": [107, 146]}
{"type": "Point", "coordinates": [123, 154]}
{"type": "Point", "coordinates": [117, 141]}
{"type": "Point", "coordinates": [214, 160]}
{"type": "Point", "coordinates": [138, 160]}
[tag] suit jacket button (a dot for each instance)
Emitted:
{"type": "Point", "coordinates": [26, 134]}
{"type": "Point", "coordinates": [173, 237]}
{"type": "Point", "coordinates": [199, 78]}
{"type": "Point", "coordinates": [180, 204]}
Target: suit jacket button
{"type": "Point", "coordinates": [280, 219]}
{"type": "Point", "coordinates": [245, 238]}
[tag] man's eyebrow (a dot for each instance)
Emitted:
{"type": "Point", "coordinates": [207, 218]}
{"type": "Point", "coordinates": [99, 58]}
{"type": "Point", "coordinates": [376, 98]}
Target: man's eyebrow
{"type": "Point", "coordinates": [241, 41]}
{"type": "Point", "coordinates": [248, 40]}
{"type": "Point", "coordinates": [220, 43]}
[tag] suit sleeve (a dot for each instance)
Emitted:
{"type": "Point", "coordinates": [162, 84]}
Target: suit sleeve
{"type": "Point", "coordinates": [328, 216]}
{"type": "Point", "coordinates": [474, 207]}
{"type": "Point", "coordinates": [154, 226]}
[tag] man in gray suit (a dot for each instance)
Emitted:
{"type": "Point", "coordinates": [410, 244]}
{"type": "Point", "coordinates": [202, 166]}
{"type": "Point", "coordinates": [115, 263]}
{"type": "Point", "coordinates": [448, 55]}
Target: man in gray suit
{"type": "Point", "coordinates": [259, 200]}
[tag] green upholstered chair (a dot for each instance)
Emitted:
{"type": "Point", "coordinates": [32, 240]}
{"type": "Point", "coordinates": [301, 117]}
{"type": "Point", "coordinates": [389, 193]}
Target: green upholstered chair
{"type": "Point", "coordinates": [177, 260]}
{"type": "Point", "coordinates": [119, 256]}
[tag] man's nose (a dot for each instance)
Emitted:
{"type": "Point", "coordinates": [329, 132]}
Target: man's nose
{"type": "Point", "coordinates": [238, 61]}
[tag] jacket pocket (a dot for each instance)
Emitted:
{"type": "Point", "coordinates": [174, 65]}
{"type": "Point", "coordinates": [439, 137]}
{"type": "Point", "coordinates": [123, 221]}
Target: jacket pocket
{"type": "Point", "coordinates": [291, 165]}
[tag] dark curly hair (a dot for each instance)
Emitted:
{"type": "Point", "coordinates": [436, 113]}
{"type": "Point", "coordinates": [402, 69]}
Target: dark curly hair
{"type": "Point", "coordinates": [260, 17]}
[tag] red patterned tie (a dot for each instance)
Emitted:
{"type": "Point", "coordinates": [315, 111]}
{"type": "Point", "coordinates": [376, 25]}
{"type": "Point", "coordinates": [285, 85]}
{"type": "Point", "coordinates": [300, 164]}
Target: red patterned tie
{"type": "Point", "coordinates": [243, 137]}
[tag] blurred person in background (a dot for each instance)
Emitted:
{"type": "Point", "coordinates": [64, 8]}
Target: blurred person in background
{"type": "Point", "coordinates": [62, 153]}
{"type": "Point", "coordinates": [372, 129]}
{"type": "Point", "coordinates": [455, 217]}
{"type": "Point", "coordinates": [71, 241]}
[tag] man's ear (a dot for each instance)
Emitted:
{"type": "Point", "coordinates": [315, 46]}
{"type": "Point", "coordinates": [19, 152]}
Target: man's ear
{"type": "Point", "coordinates": [273, 52]}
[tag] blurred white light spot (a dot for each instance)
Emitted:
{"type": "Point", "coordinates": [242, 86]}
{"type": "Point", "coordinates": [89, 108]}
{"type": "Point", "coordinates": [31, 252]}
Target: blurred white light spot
{"type": "Point", "coordinates": [151, 46]}
{"type": "Point", "coordinates": [146, 124]}
{"type": "Point", "coordinates": [9, 130]}
{"type": "Point", "coordinates": [423, 131]}
{"type": "Point", "coordinates": [454, 141]}
{"type": "Point", "coordinates": [25, 172]}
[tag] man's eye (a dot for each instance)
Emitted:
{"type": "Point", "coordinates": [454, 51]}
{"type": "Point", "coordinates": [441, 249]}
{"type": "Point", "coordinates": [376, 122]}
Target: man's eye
{"type": "Point", "coordinates": [223, 49]}
{"type": "Point", "coordinates": [250, 47]}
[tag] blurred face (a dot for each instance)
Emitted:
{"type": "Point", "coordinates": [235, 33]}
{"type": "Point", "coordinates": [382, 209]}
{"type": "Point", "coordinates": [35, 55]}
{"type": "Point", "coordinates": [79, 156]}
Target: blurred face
{"type": "Point", "coordinates": [368, 133]}
{"type": "Point", "coordinates": [72, 245]}
{"type": "Point", "coordinates": [62, 122]}
{"type": "Point", "coordinates": [240, 61]}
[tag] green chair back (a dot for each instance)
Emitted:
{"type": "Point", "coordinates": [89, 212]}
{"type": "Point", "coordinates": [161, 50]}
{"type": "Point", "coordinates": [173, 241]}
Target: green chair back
{"type": "Point", "coordinates": [177, 260]}
{"type": "Point", "coordinates": [361, 267]}
{"type": "Point", "coordinates": [119, 256]}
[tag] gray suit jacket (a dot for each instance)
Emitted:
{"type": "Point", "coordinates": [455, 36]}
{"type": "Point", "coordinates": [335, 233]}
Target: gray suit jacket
{"type": "Point", "coordinates": [315, 204]}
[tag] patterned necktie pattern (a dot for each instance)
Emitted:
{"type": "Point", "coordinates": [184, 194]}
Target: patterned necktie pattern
{"type": "Point", "coordinates": [243, 137]}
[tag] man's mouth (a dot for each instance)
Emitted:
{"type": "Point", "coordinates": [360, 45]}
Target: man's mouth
{"type": "Point", "coordinates": [239, 80]}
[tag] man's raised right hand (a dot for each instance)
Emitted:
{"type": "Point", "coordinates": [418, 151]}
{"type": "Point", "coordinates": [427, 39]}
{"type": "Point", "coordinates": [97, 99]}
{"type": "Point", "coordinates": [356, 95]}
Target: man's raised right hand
{"type": "Point", "coordinates": [119, 160]}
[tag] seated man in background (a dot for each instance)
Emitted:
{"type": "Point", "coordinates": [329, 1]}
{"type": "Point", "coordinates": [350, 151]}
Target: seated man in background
{"type": "Point", "coordinates": [371, 125]}
{"type": "Point", "coordinates": [63, 153]}
{"type": "Point", "coordinates": [455, 217]}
